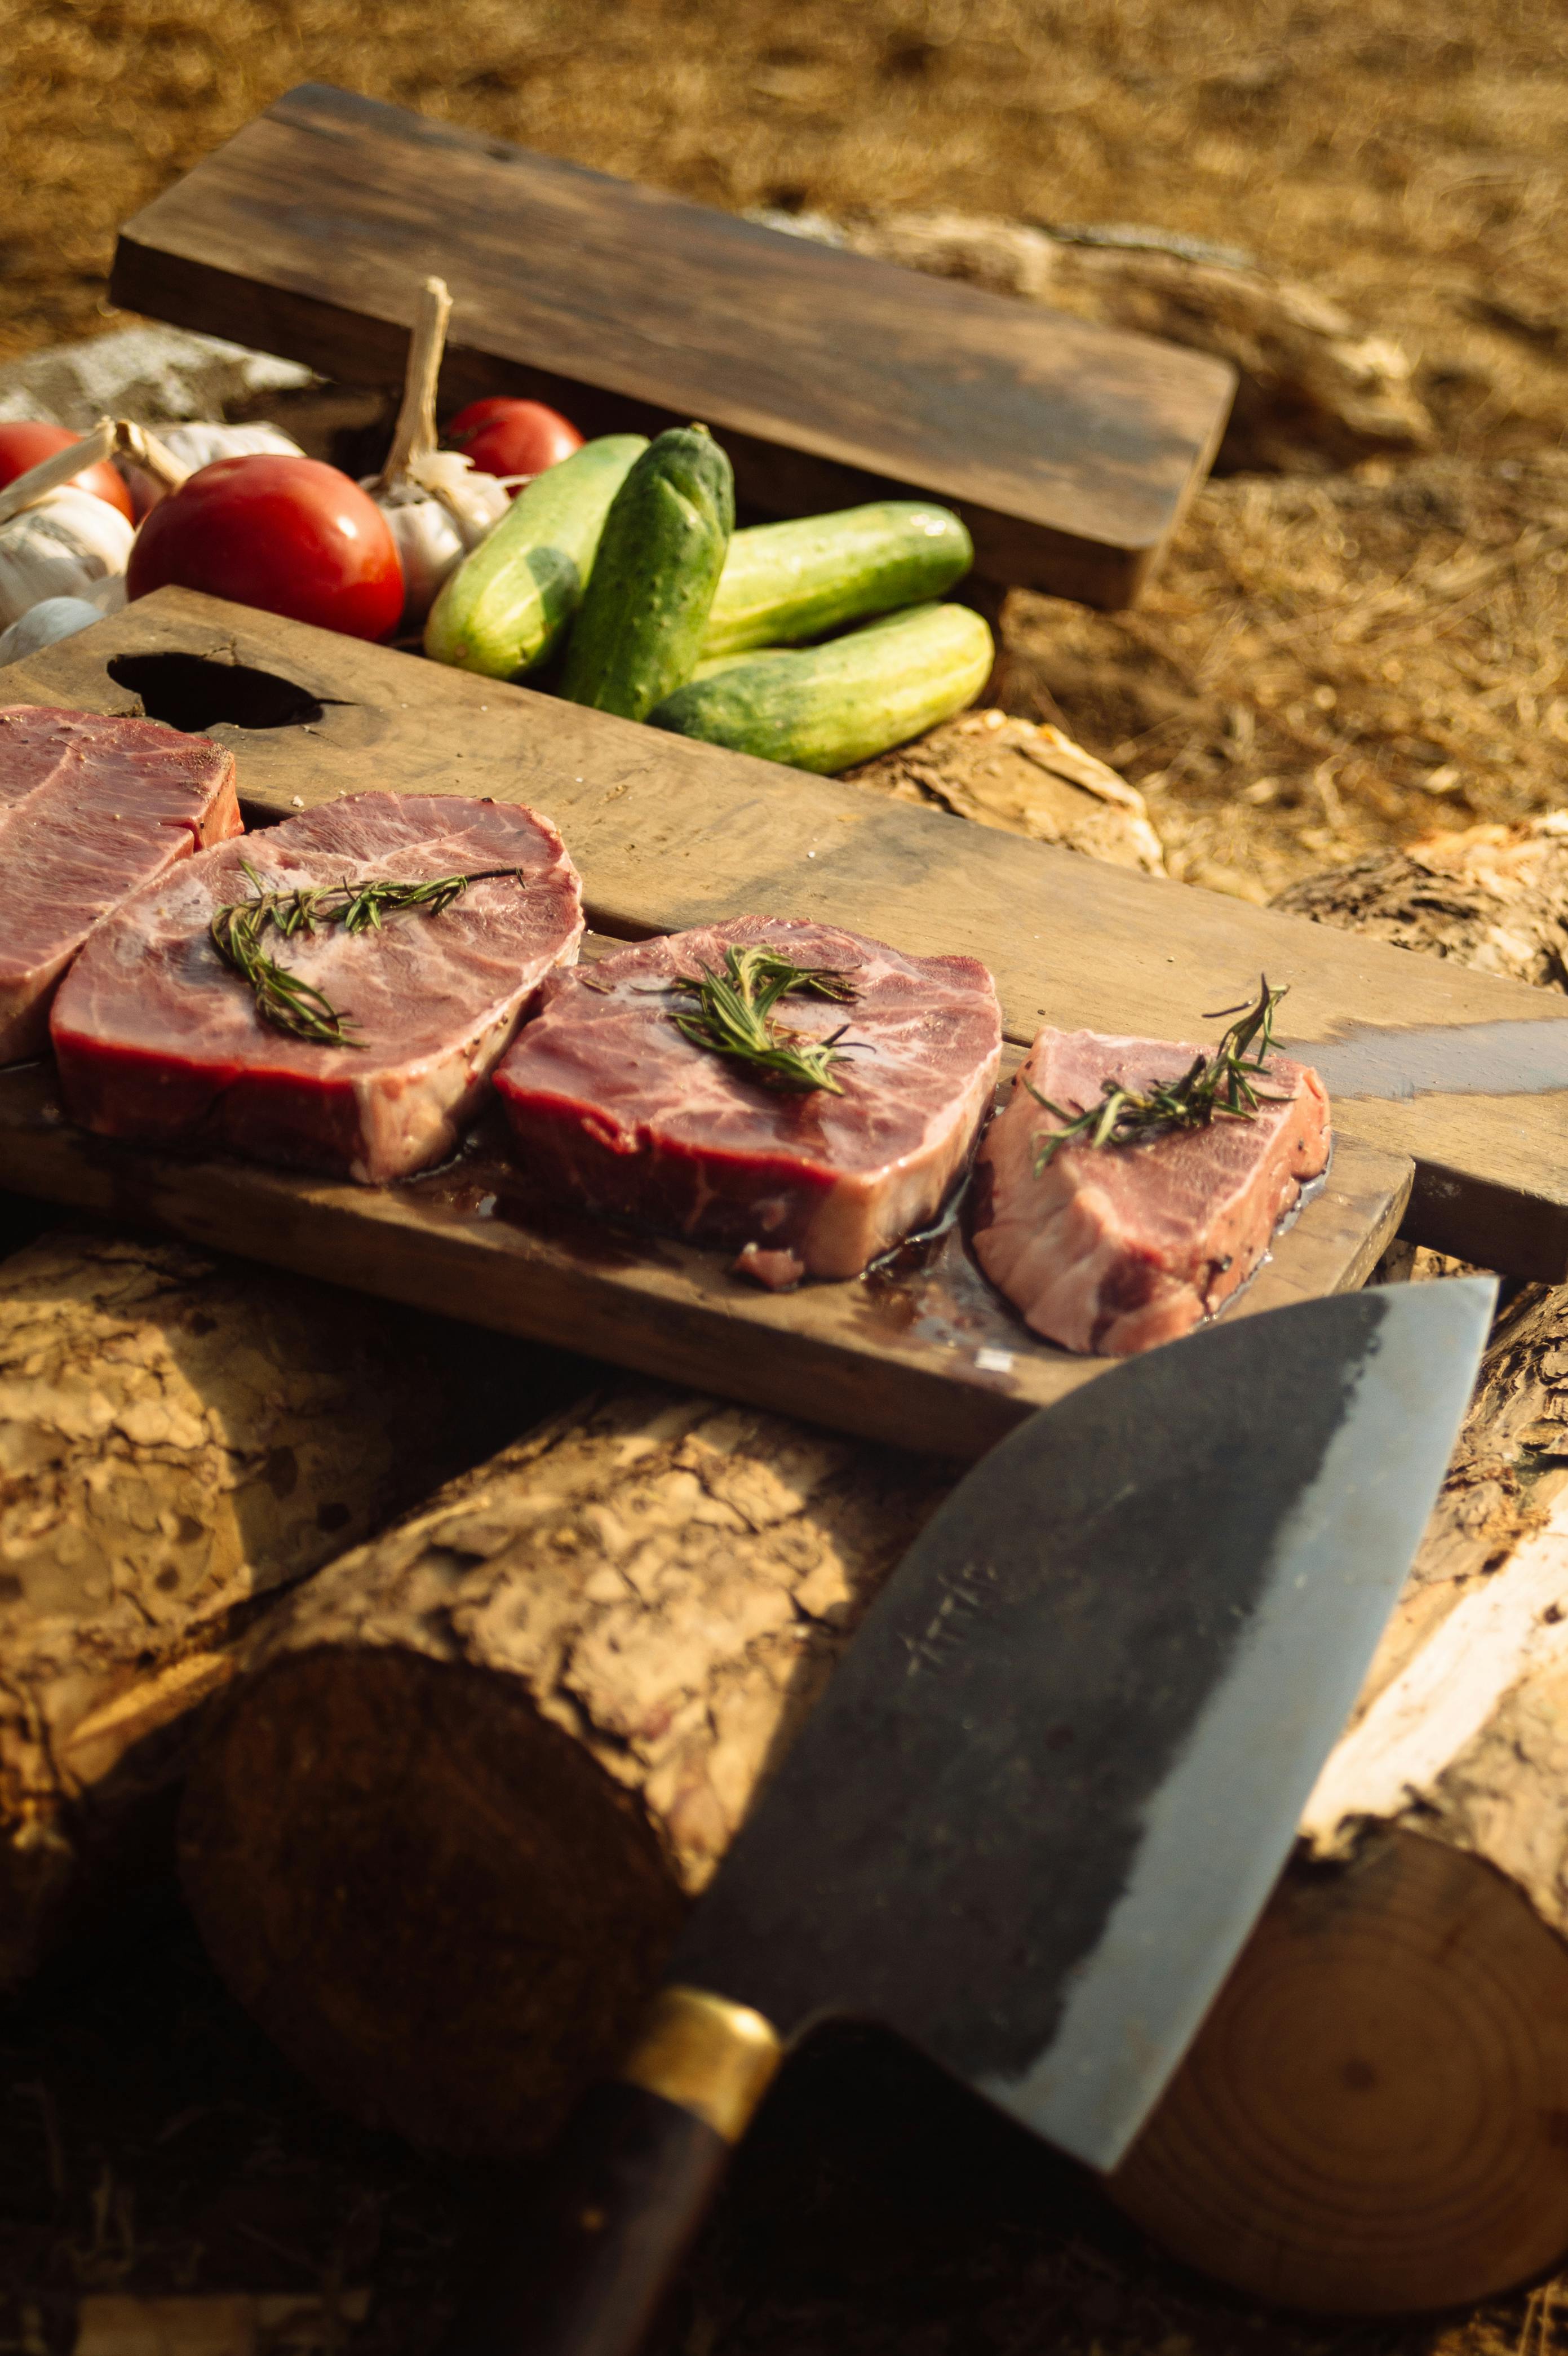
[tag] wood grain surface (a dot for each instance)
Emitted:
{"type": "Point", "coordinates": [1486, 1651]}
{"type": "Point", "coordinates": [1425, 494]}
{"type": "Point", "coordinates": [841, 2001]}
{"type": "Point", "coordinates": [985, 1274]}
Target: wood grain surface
{"type": "Point", "coordinates": [1463, 1071]}
{"type": "Point", "coordinates": [930, 1359]}
{"type": "Point", "coordinates": [1068, 448]}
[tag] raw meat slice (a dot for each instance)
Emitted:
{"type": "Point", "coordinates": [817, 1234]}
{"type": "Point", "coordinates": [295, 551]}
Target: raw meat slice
{"type": "Point", "coordinates": [613, 1107]}
{"type": "Point", "coordinates": [1112, 1249]}
{"type": "Point", "coordinates": [159, 1041]}
{"type": "Point", "coordinates": [89, 809]}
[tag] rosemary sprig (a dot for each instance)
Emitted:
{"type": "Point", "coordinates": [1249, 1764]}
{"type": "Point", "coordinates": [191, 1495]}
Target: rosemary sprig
{"type": "Point", "coordinates": [1213, 1087]}
{"type": "Point", "coordinates": [284, 1001]}
{"type": "Point", "coordinates": [733, 1015]}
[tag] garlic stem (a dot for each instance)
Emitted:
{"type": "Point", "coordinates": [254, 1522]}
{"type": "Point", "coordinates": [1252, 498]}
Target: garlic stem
{"type": "Point", "coordinates": [62, 467]}
{"type": "Point", "coordinates": [153, 457]}
{"type": "Point", "coordinates": [109, 436]}
{"type": "Point", "coordinates": [414, 433]}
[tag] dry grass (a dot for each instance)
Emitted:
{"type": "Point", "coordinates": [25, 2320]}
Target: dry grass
{"type": "Point", "coordinates": [1329, 665]}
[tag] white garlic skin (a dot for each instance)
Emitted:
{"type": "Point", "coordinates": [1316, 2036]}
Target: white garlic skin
{"type": "Point", "coordinates": [45, 624]}
{"type": "Point", "coordinates": [477, 500]}
{"type": "Point", "coordinates": [433, 533]}
{"type": "Point", "coordinates": [430, 545]}
{"type": "Point", "coordinates": [198, 445]}
{"type": "Point", "coordinates": [58, 548]}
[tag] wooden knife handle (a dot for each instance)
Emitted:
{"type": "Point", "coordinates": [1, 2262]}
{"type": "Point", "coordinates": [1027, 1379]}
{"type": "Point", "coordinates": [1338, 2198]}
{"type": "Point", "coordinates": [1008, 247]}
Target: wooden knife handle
{"type": "Point", "coordinates": [628, 2187]}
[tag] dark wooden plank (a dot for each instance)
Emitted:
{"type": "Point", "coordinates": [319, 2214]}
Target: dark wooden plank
{"type": "Point", "coordinates": [932, 1359]}
{"type": "Point", "coordinates": [1068, 448]}
{"type": "Point", "coordinates": [1466, 1073]}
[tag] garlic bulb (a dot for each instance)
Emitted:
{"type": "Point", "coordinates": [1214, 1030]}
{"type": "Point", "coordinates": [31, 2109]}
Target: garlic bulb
{"type": "Point", "coordinates": [473, 499]}
{"type": "Point", "coordinates": [437, 505]}
{"type": "Point", "coordinates": [429, 544]}
{"type": "Point", "coordinates": [58, 548]}
{"type": "Point", "coordinates": [198, 445]}
{"type": "Point", "coordinates": [106, 597]}
{"type": "Point", "coordinates": [438, 510]}
{"type": "Point", "coordinates": [45, 624]}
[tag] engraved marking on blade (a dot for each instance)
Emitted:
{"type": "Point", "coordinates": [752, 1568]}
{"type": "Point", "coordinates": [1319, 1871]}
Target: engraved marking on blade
{"type": "Point", "coordinates": [964, 1595]}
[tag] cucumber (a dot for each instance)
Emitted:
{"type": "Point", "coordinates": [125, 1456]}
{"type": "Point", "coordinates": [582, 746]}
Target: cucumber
{"type": "Point", "coordinates": [827, 707]}
{"type": "Point", "coordinates": [710, 665]}
{"type": "Point", "coordinates": [508, 605]}
{"type": "Point", "coordinates": [640, 631]}
{"type": "Point", "coordinates": [792, 581]}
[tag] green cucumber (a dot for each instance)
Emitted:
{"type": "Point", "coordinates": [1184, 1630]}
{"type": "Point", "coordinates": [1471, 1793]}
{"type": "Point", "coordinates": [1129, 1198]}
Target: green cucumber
{"type": "Point", "coordinates": [785, 581]}
{"type": "Point", "coordinates": [508, 605]}
{"type": "Point", "coordinates": [827, 707]}
{"type": "Point", "coordinates": [710, 665]}
{"type": "Point", "coordinates": [639, 632]}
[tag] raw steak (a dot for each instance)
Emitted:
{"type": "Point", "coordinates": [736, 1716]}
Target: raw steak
{"type": "Point", "coordinates": [1113, 1249]}
{"type": "Point", "coordinates": [89, 809]}
{"type": "Point", "coordinates": [614, 1109]}
{"type": "Point", "coordinates": [158, 1040]}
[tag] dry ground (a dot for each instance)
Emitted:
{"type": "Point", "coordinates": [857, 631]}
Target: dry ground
{"type": "Point", "coordinates": [1327, 663]}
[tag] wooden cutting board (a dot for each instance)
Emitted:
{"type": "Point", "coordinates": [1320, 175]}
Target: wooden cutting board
{"type": "Point", "coordinates": [922, 1354]}
{"type": "Point", "coordinates": [1068, 448]}
{"type": "Point", "coordinates": [1466, 1073]}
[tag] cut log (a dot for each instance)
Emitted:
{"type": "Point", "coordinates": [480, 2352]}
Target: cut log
{"type": "Point", "coordinates": [1495, 897]}
{"type": "Point", "coordinates": [441, 1838]}
{"type": "Point", "coordinates": [179, 1437]}
{"type": "Point", "coordinates": [1375, 2115]}
{"type": "Point", "coordinates": [444, 1828]}
{"type": "Point", "coordinates": [1022, 776]}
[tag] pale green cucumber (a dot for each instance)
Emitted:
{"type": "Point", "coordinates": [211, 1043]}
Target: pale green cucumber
{"type": "Point", "coordinates": [827, 707]}
{"type": "Point", "coordinates": [786, 581]}
{"type": "Point", "coordinates": [710, 665]}
{"type": "Point", "coordinates": [639, 632]}
{"type": "Point", "coordinates": [507, 606]}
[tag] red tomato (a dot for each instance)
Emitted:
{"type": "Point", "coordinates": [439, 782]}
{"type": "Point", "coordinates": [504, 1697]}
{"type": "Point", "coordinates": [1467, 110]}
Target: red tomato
{"type": "Point", "coordinates": [290, 535]}
{"type": "Point", "coordinates": [30, 441]}
{"type": "Point", "coordinates": [513, 437]}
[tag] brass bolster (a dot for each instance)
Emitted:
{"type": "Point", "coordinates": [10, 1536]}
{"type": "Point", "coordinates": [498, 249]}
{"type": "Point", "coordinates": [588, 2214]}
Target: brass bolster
{"type": "Point", "coordinates": [713, 2058]}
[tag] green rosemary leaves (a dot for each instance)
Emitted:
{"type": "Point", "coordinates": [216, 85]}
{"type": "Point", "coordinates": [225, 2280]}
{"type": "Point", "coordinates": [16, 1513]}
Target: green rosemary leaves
{"type": "Point", "coordinates": [731, 1014]}
{"type": "Point", "coordinates": [1214, 1087]}
{"type": "Point", "coordinates": [284, 999]}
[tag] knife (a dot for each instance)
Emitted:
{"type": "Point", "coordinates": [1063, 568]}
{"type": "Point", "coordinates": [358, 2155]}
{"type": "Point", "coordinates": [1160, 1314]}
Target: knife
{"type": "Point", "coordinates": [1051, 1786]}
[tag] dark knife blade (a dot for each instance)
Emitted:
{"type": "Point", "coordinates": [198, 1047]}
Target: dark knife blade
{"type": "Point", "coordinates": [1047, 1791]}
{"type": "Point", "coordinates": [1034, 1817]}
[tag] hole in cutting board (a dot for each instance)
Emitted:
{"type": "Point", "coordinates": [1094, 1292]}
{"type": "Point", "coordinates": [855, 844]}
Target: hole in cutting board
{"type": "Point", "coordinates": [190, 693]}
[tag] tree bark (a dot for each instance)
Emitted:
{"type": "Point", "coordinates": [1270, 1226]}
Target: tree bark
{"type": "Point", "coordinates": [180, 1437]}
{"type": "Point", "coordinates": [1495, 897]}
{"type": "Point", "coordinates": [444, 1834]}
{"type": "Point", "coordinates": [1021, 777]}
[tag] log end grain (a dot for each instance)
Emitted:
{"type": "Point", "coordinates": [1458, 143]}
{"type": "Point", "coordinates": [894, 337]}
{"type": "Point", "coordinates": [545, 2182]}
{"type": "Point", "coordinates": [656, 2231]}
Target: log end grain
{"type": "Point", "coordinates": [1375, 2115]}
{"type": "Point", "coordinates": [401, 1869]}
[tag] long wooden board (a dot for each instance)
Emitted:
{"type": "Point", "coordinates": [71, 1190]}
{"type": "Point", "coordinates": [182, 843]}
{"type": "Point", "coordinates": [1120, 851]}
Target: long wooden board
{"type": "Point", "coordinates": [924, 1355]}
{"type": "Point", "coordinates": [1466, 1073]}
{"type": "Point", "coordinates": [1068, 448]}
